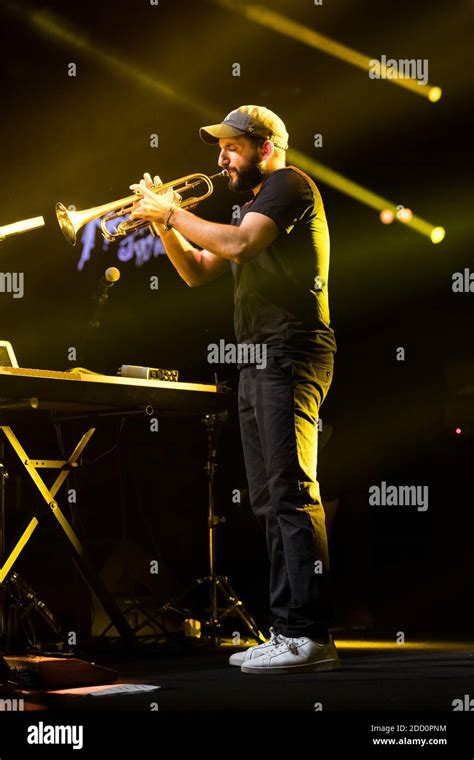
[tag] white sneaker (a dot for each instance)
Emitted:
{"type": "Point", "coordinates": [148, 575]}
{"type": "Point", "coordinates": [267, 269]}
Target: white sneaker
{"type": "Point", "coordinates": [295, 656]}
{"type": "Point", "coordinates": [256, 651]}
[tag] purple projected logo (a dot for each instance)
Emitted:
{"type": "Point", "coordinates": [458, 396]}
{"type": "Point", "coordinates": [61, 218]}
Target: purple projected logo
{"type": "Point", "coordinates": [141, 246]}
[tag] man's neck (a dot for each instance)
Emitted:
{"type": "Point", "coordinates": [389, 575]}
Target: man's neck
{"type": "Point", "coordinates": [256, 189]}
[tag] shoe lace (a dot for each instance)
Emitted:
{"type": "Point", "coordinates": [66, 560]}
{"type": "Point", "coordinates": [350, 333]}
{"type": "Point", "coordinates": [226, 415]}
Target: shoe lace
{"type": "Point", "coordinates": [281, 642]}
{"type": "Point", "coordinates": [292, 645]}
{"type": "Point", "coordinates": [275, 638]}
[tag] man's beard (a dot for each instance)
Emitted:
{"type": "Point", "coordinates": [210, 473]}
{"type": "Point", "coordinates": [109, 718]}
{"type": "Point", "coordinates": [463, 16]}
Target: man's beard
{"type": "Point", "coordinates": [246, 179]}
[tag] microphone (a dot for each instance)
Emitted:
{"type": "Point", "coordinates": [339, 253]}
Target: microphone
{"type": "Point", "coordinates": [110, 277]}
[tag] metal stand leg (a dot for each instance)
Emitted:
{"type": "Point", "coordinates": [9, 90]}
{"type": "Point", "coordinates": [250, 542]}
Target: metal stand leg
{"type": "Point", "coordinates": [22, 603]}
{"type": "Point", "coordinates": [17, 599]}
{"type": "Point", "coordinates": [3, 478]}
{"type": "Point", "coordinates": [214, 423]}
{"type": "Point", "coordinates": [79, 555]}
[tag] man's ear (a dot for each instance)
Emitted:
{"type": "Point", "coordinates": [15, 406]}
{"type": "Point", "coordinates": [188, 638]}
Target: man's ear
{"type": "Point", "coordinates": [268, 150]}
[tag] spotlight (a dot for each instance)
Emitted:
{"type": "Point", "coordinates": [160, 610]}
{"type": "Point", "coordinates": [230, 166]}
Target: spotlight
{"type": "Point", "coordinates": [404, 215]}
{"type": "Point", "coordinates": [259, 13]}
{"type": "Point", "coordinates": [387, 216]}
{"type": "Point", "coordinates": [437, 234]}
{"type": "Point", "coordinates": [434, 94]}
{"type": "Point", "coordinates": [362, 194]}
{"type": "Point", "coordinates": [18, 227]}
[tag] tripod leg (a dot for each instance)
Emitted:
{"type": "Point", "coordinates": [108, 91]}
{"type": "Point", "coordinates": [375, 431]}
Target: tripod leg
{"type": "Point", "coordinates": [237, 606]}
{"type": "Point", "coordinates": [173, 604]}
{"type": "Point", "coordinates": [34, 603]}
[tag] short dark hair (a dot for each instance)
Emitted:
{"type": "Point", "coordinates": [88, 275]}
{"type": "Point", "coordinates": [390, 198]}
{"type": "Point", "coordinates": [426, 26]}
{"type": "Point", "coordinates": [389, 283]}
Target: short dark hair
{"type": "Point", "coordinates": [258, 141]}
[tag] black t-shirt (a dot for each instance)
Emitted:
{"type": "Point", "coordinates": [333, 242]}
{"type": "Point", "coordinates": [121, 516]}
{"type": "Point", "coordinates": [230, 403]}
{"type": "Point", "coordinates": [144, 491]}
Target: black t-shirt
{"type": "Point", "coordinates": [281, 295]}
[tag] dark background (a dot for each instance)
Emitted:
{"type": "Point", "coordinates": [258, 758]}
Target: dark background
{"type": "Point", "coordinates": [167, 69]}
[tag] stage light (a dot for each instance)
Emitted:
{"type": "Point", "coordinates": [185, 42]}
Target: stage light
{"type": "Point", "coordinates": [437, 234]}
{"type": "Point", "coordinates": [434, 94]}
{"type": "Point", "coordinates": [404, 215]}
{"type": "Point", "coordinates": [23, 226]}
{"type": "Point", "coordinates": [458, 431]}
{"type": "Point", "coordinates": [387, 216]}
{"type": "Point", "coordinates": [361, 194]}
{"type": "Point", "coordinates": [269, 18]}
{"type": "Point", "coordinates": [54, 27]}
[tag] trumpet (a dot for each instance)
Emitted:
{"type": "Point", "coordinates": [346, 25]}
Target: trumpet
{"type": "Point", "coordinates": [71, 222]}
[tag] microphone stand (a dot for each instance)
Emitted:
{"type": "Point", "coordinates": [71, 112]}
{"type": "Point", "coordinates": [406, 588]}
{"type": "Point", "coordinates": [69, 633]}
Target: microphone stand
{"type": "Point", "coordinates": [102, 297]}
{"type": "Point", "coordinates": [214, 424]}
{"type": "Point", "coordinates": [101, 301]}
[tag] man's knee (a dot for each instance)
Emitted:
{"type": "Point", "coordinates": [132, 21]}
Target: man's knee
{"type": "Point", "coordinates": [288, 494]}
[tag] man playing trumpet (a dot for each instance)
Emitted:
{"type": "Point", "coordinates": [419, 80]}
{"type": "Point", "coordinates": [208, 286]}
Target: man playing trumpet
{"type": "Point", "coordinates": [278, 251]}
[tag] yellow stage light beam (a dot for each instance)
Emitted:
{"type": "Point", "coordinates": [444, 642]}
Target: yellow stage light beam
{"type": "Point", "coordinates": [16, 228]}
{"type": "Point", "coordinates": [52, 26]}
{"type": "Point", "coordinates": [361, 194]}
{"type": "Point", "coordinates": [260, 14]}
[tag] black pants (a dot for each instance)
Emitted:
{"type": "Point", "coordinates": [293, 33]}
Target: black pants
{"type": "Point", "coordinates": [278, 410]}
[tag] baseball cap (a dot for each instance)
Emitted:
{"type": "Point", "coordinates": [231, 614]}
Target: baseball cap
{"type": "Point", "coordinates": [251, 120]}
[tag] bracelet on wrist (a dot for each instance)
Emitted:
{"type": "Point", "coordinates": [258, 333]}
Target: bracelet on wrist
{"type": "Point", "coordinates": [167, 225]}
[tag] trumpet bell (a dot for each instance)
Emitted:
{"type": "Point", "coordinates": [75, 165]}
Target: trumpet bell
{"type": "Point", "coordinates": [66, 222]}
{"type": "Point", "coordinates": [71, 221]}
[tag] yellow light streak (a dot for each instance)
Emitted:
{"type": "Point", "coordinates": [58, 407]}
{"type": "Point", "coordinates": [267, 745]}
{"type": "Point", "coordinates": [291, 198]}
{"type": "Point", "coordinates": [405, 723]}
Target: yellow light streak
{"type": "Point", "coordinates": [16, 228]}
{"type": "Point", "coordinates": [362, 194]}
{"type": "Point", "coordinates": [264, 16]}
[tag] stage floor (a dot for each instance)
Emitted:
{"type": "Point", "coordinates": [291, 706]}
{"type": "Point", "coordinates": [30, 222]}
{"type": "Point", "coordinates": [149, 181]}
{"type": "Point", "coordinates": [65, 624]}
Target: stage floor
{"type": "Point", "coordinates": [374, 676]}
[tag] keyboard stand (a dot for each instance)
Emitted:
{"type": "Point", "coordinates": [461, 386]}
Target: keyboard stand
{"type": "Point", "coordinates": [79, 556]}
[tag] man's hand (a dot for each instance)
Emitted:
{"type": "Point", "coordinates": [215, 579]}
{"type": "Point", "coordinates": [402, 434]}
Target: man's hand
{"type": "Point", "coordinates": [239, 244]}
{"type": "Point", "coordinates": [152, 206]}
